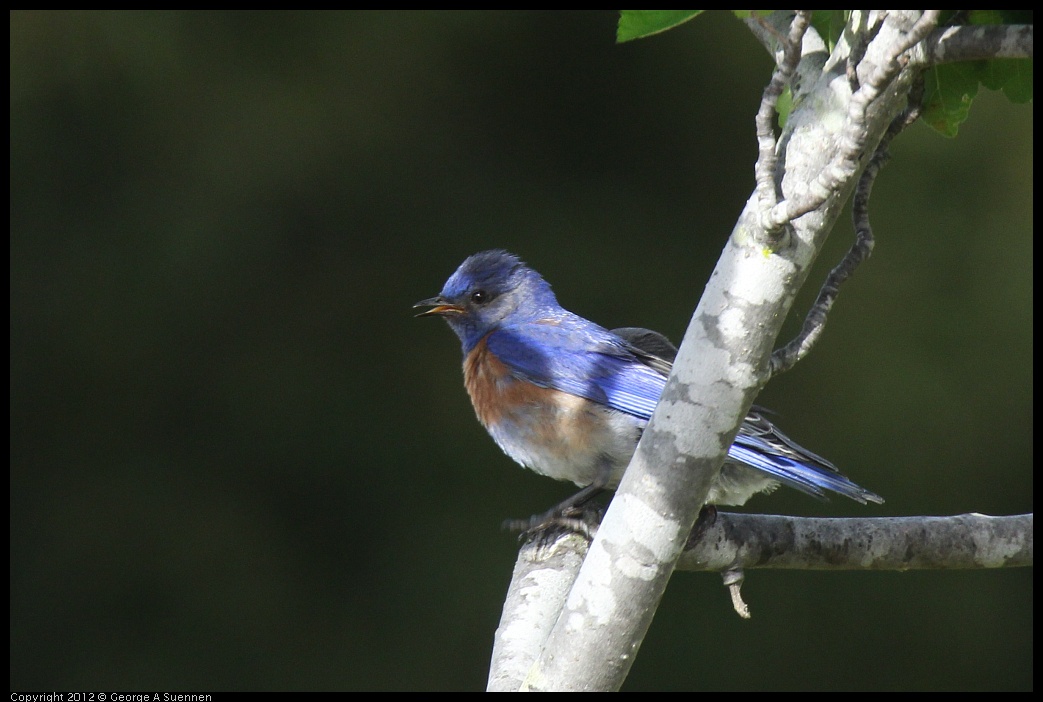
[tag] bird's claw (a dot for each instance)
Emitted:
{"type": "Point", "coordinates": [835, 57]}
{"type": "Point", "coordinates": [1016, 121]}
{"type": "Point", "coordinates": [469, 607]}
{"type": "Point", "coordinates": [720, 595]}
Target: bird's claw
{"type": "Point", "coordinates": [549, 525]}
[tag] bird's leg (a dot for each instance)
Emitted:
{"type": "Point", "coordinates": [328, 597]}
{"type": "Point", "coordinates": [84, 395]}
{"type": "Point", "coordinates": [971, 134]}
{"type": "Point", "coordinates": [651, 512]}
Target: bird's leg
{"type": "Point", "coordinates": [573, 514]}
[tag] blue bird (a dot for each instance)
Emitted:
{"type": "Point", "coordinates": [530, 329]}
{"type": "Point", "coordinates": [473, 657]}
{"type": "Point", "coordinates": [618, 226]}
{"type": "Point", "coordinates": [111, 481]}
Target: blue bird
{"type": "Point", "coordinates": [569, 398]}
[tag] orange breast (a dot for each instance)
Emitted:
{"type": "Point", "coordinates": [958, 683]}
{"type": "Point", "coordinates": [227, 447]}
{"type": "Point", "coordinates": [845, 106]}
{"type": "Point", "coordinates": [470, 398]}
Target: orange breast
{"type": "Point", "coordinates": [492, 388]}
{"type": "Point", "coordinates": [552, 432]}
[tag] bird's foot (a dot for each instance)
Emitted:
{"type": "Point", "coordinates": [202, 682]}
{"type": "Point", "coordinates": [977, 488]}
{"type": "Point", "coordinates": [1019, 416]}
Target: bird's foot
{"type": "Point", "coordinates": [548, 526]}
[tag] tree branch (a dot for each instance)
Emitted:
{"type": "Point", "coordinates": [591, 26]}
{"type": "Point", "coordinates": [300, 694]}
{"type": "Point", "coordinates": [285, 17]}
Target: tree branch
{"type": "Point", "coordinates": [979, 42]}
{"type": "Point", "coordinates": [719, 370]}
{"type": "Point", "coordinates": [949, 44]}
{"type": "Point", "coordinates": [768, 184]}
{"type": "Point", "coordinates": [961, 542]}
{"type": "Point", "coordinates": [784, 358]}
{"type": "Point", "coordinates": [721, 365]}
{"type": "Point", "coordinates": [543, 575]}
{"type": "Point", "coordinates": [736, 542]}
{"type": "Point", "coordinates": [856, 134]}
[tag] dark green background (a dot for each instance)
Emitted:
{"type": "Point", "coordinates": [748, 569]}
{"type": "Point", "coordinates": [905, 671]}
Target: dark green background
{"type": "Point", "coordinates": [239, 462]}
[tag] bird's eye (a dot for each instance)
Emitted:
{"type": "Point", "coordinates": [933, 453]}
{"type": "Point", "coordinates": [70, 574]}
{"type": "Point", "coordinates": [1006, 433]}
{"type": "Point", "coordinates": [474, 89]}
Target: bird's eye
{"type": "Point", "coordinates": [479, 297]}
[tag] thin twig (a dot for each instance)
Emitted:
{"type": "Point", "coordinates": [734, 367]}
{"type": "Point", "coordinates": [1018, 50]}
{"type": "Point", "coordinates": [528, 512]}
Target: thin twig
{"type": "Point", "coordinates": [855, 134]}
{"type": "Point", "coordinates": [769, 188]}
{"type": "Point", "coordinates": [859, 45]}
{"type": "Point", "coordinates": [814, 323]}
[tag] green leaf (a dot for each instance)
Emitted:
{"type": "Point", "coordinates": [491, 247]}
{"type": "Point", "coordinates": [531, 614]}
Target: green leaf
{"type": "Point", "coordinates": [1012, 76]}
{"type": "Point", "coordinates": [830, 25]}
{"type": "Point", "coordinates": [637, 24]}
{"type": "Point", "coordinates": [784, 105]}
{"type": "Point", "coordinates": [949, 89]}
{"type": "Point", "coordinates": [999, 16]}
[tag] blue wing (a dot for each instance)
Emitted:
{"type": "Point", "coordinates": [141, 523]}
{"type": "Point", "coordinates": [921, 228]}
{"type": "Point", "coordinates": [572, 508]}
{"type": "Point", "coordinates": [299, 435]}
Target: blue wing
{"type": "Point", "coordinates": [580, 358]}
{"type": "Point", "coordinates": [626, 369]}
{"type": "Point", "coordinates": [761, 445]}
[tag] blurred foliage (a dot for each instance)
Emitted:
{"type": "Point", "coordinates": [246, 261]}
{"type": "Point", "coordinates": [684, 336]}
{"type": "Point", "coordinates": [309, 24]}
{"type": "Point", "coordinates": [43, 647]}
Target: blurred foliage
{"type": "Point", "coordinates": [238, 462]}
{"type": "Point", "coordinates": [949, 89]}
{"type": "Point", "coordinates": [637, 24]}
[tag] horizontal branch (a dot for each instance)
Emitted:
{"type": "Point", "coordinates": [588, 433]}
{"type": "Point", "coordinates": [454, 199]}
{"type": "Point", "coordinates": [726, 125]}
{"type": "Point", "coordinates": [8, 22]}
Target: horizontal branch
{"type": "Point", "coordinates": [979, 42]}
{"type": "Point", "coordinates": [966, 541]}
{"type": "Point", "coordinates": [544, 571]}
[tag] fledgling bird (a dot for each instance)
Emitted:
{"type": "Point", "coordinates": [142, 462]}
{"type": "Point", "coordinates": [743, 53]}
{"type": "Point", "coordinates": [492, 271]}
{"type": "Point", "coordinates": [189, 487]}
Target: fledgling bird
{"type": "Point", "coordinates": [569, 399]}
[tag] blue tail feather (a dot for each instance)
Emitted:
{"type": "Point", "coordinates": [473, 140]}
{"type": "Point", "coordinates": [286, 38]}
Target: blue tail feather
{"type": "Point", "coordinates": [807, 477]}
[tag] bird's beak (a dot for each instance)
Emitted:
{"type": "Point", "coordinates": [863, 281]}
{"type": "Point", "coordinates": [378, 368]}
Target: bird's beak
{"type": "Point", "coordinates": [438, 306]}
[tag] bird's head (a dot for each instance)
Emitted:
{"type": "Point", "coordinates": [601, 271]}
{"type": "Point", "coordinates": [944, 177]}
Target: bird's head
{"type": "Point", "coordinates": [489, 290]}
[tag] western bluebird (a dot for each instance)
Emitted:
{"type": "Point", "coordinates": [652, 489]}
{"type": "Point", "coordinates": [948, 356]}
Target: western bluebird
{"type": "Point", "coordinates": [569, 399]}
